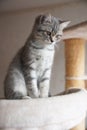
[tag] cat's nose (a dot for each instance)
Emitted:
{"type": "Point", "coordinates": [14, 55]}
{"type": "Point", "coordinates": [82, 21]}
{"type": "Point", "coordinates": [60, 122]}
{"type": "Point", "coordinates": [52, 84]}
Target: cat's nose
{"type": "Point", "coordinates": [51, 39]}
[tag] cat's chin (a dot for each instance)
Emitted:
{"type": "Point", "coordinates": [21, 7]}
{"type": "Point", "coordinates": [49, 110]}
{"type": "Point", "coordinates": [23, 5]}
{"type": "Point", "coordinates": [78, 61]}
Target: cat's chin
{"type": "Point", "coordinates": [51, 43]}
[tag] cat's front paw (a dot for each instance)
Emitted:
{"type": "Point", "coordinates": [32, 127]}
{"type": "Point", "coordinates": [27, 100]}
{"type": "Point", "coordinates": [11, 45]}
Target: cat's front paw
{"type": "Point", "coordinates": [26, 97]}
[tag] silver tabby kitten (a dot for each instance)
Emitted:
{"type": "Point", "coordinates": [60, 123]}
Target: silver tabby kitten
{"type": "Point", "coordinates": [29, 72]}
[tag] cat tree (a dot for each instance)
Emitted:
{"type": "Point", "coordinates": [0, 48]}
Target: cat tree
{"type": "Point", "coordinates": [62, 112]}
{"type": "Point", "coordinates": [75, 66]}
{"type": "Point", "coordinates": [75, 59]}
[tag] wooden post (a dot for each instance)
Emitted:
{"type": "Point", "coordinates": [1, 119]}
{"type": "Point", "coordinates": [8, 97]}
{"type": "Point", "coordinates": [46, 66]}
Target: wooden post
{"type": "Point", "coordinates": [75, 67]}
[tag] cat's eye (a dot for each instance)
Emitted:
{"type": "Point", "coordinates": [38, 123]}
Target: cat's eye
{"type": "Point", "coordinates": [48, 33]}
{"type": "Point", "coordinates": [58, 36]}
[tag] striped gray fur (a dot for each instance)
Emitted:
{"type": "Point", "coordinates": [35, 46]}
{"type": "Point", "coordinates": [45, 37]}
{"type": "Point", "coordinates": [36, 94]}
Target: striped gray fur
{"type": "Point", "coordinates": [30, 70]}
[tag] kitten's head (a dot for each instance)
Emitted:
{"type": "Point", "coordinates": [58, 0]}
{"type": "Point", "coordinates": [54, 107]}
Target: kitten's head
{"type": "Point", "coordinates": [49, 29]}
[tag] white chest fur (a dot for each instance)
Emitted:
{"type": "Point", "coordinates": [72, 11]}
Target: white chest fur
{"type": "Point", "coordinates": [44, 59]}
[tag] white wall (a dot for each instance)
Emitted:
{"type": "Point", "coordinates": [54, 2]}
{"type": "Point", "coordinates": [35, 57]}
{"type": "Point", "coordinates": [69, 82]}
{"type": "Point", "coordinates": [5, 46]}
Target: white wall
{"type": "Point", "coordinates": [16, 26]}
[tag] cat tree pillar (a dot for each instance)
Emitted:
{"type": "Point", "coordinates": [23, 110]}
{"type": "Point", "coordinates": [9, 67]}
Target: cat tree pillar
{"type": "Point", "coordinates": [75, 67]}
{"type": "Point", "coordinates": [75, 62]}
{"type": "Point", "coordinates": [75, 38]}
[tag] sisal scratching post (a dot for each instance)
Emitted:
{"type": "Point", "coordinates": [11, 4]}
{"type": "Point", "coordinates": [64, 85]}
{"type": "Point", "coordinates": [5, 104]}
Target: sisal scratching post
{"type": "Point", "coordinates": [75, 67]}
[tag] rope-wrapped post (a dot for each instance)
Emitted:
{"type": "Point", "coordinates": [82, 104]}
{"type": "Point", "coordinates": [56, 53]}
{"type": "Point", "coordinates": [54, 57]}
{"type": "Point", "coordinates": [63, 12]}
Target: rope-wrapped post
{"type": "Point", "coordinates": [75, 67]}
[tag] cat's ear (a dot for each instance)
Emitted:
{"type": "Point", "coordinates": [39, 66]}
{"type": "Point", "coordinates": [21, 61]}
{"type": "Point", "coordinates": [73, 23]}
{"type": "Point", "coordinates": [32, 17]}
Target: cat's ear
{"type": "Point", "coordinates": [45, 18]}
{"type": "Point", "coordinates": [39, 19]}
{"type": "Point", "coordinates": [64, 24]}
{"type": "Point", "coordinates": [48, 18]}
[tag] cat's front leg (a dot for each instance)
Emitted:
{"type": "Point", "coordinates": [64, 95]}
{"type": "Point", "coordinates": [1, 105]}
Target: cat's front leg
{"type": "Point", "coordinates": [45, 83]}
{"type": "Point", "coordinates": [31, 81]}
{"type": "Point", "coordinates": [33, 91]}
{"type": "Point", "coordinates": [44, 87]}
